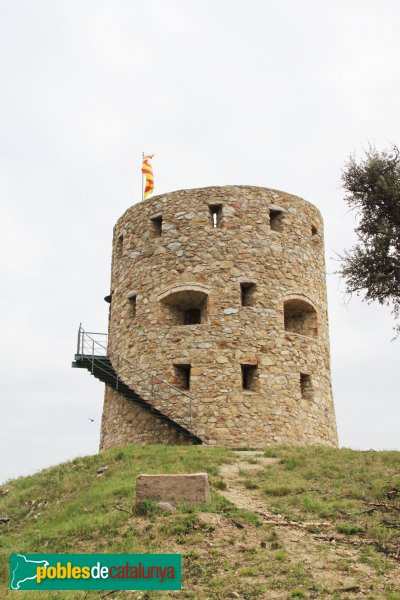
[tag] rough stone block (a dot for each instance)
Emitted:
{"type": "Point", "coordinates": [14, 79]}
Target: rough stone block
{"type": "Point", "coordinates": [190, 488]}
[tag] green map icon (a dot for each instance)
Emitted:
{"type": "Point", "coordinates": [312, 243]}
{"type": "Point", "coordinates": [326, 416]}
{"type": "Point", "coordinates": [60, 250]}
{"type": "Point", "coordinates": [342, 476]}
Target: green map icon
{"type": "Point", "coordinates": [23, 569]}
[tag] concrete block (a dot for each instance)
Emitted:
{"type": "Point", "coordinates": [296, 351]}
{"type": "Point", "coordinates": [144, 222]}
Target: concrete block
{"type": "Point", "coordinates": [190, 488]}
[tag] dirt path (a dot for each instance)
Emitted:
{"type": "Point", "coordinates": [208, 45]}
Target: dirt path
{"type": "Point", "coordinates": [231, 474]}
{"type": "Point", "coordinates": [334, 564]}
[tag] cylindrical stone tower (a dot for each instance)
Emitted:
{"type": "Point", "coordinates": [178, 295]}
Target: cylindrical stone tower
{"type": "Point", "coordinates": [220, 291]}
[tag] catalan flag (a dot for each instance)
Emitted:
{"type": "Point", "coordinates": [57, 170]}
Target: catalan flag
{"type": "Point", "coordinates": [147, 171]}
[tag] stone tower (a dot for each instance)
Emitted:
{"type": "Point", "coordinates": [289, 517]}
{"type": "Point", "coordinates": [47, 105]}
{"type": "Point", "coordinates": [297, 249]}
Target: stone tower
{"type": "Point", "coordinates": [220, 292]}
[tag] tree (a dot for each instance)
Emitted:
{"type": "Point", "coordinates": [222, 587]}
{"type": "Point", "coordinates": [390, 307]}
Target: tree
{"type": "Point", "coordinates": [371, 268]}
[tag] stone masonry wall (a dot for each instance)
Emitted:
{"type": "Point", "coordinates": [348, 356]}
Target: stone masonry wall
{"type": "Point", "coordinates": [124, 422]}
{"type": "Point", "coordinates": [266, 239]}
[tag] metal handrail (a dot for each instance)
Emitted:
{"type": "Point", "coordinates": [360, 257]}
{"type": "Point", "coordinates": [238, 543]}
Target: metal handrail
{"type": "Point", "coordinates": [83, 336]}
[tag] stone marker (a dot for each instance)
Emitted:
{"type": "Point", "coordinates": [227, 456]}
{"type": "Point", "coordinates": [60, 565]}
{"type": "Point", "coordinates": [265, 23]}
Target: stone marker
{"type": "Point", "coordinates": [185, 488]}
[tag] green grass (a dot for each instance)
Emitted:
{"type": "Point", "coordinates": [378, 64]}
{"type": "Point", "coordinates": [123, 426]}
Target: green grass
{"type": "Point", "coordinates": [327, 484]}
{"type": "Point", "coordinates": [69, 508]}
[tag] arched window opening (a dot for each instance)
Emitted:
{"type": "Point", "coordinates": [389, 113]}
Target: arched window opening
{"type": "Point", "coordinates": [300, 317]}
{"type": "Point", "coordinates": [186, 307]}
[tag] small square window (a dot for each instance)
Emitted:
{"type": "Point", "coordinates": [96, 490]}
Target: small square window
{"type": "Point", "coordinates": [305, 385]}
{"type": "Point", "coordinates": [249, 377]}
{"type": "Point", "coordinates": [156, 226]}
{"type": "Point", "coordinates": [182, 374]}
{"type": "Point", "coordinates": [216, 215]}
{"type": "Point", "coordinates": [247, 291]}
{"type": "Point", "coordinates": [132, 305]}
{"type": "Point", "coordinates": [276, 220]}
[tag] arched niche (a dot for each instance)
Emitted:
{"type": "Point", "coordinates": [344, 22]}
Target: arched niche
{"type": "Point", "coordinates": [185, 305]}
{"type": "Point", "coordinates": [300, 317]}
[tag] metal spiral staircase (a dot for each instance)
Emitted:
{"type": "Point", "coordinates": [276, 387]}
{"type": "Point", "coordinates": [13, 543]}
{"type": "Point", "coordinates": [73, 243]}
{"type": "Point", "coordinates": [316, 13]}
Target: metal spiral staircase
{"type": "Point", "coordinates": [164, 400]}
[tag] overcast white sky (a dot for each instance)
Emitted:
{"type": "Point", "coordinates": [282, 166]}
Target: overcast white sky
{"type": "Point", "coordinates": [270, 93]}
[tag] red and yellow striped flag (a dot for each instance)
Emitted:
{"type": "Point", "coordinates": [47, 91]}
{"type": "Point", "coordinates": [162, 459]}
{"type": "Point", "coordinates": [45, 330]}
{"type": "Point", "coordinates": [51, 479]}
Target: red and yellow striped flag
{"type": "Point", "coordinates": [147, 171]}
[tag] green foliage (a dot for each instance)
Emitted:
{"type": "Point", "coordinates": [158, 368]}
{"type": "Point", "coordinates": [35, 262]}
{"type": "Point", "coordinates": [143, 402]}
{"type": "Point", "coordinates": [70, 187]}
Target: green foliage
{"type": "Point", "coordinates": [248, 572]}
{"type": "Point", "coordinates": [250, 485]}
{"type": "Point", "coordinates": [276, 489]}
{"type": "Point", "coordinates": [280, 554]}
{"type": "Point", "coordinates": [148, 508]}
{"type": "Point", "coordinates": [271, 453]}
{"type": "Point", "coordinates": [220, 484]}
{"type": "Point", "coordinates": [349, 529]}
{"type": "Point", "coordinates": [372, 266]}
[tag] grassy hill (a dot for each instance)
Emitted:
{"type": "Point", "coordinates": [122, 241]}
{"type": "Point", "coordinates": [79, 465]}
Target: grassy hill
{"type": "Point", "coordinates": [317, 523]}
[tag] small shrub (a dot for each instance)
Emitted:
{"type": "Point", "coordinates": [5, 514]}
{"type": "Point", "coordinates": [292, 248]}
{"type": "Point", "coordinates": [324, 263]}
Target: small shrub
{"type": "Point", "coordinates": [251, 485]}
{"type": "Point", "coordinates": [313, 529]}
{"type": "Point", "coordinates": [212, 471]}
{"type": "Point", "coordinates": [349, 529]}
{"type": "Point", "coordinates": [316, 506]}
{"type": "Point", "coordinates": [276, 489]}
{"type": "Point", "coordinates": [184, 525]}
{"type": "Point", "coordinates": [188, 508]}
{"type": "Point", "coordinates": [220, 484]}
{"type": "Point", "coordinates": [248, 572]}
{"type": "Point", "coordinates": [280, 554]}
{"type": "Point", "coordinates": [250, 517]}
{"type": "Point", "coordinates": [292, 463]}
{"type": "Point", "coordinates": [147, 508]}
{"type": "Point", "coordinates": [120, 455]}
{"type": "Point", "coordinates": [270, 453]}
{"type": "Point", "coordinates": [220, 504]}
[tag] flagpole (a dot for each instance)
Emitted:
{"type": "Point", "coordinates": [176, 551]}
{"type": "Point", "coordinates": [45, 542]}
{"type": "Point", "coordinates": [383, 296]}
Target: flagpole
{"type": "Point", "coordinates": [142, 177]}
